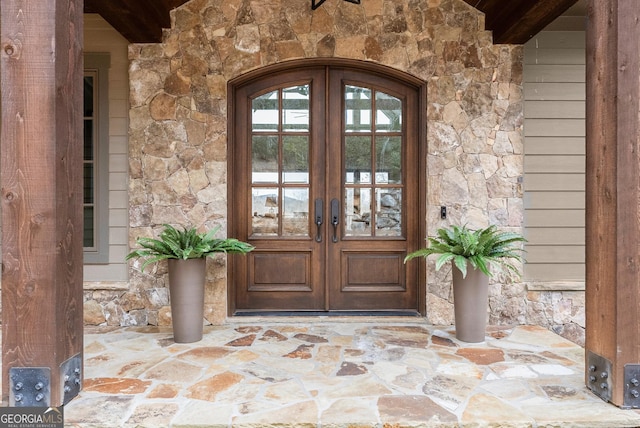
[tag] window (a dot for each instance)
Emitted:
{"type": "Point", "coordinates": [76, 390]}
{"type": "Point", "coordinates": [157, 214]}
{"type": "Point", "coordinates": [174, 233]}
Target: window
{"type": "Point", "coordinates": [96, 158]}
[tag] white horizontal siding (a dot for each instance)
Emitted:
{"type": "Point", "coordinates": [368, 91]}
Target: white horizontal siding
{"type": "Point", "coordinates": [554, 180]}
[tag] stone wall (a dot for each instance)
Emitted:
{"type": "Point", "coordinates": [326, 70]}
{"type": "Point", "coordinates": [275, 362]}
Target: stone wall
{"type": "Point", "coordinates": [562, 311]}
{"type": "Point", "coordinates": [178, 123]}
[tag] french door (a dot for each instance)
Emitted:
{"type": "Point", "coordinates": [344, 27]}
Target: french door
{"type": "Point", "coordinates": [325, 184]}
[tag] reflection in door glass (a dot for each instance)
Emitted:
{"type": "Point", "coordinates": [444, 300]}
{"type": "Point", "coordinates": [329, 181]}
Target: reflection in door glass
{"type": "Point", "coordinates": [388, 113]}
{"type": "Point", "coordinates": [388, 212]}
{"type": "Point", "coordinates": [388, 160]}
{"type": "Point", "coordinates": [264, 159]}
{"type": "Point", "coordinates": [264, 117]}
{"type": "Point", "coordinates": [296, 212]}
{"type": "Point", "coordinates": [373, 151]}
{"type": "Point", "coordinates": [357, 209]}
{"type": "Point", "coordinates": [357, 159]}
{"type": "Point", "coordinates": [295, 153]}
{"type": "Point", "coordinates": [265, 211]}
{"type": "Point", "coordinates": [295, 108]}
{"type": "Point", "coordinates": [357, 109]}
{"type": "Point", "coordinates": [280, 162]}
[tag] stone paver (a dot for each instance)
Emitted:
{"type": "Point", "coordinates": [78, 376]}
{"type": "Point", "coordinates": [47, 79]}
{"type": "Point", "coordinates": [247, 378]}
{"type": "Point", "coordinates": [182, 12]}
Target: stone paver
{"type": "Point", "coordinates": [336, 373]}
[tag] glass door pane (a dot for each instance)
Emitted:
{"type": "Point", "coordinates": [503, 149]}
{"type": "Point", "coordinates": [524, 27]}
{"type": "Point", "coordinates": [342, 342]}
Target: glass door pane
{"type": "Point", "coordinates": [280, 162]}
{"type": "Point", "coordinates": [373, 151]}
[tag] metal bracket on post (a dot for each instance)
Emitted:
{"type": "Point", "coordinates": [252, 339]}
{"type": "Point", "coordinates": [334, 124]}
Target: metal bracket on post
{"type": "Point", "coordinates": [29, 387]}
{"type": "Point", "coordinates": [71, 375]}
{"type": "Point", "coordinates": [631, 386]}
{"type": "Point", "coordinates": [599, 376]}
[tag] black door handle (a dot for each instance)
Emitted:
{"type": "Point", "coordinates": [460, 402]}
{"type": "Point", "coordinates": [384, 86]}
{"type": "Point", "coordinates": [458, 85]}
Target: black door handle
{"type": "Point", "coordinates": [335, 218]}
{"type": "Point", "coordinates": [319, 218]}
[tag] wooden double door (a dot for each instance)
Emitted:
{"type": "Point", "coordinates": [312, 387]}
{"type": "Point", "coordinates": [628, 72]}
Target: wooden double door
{"type": "Point", "coordinates": [325, 184]}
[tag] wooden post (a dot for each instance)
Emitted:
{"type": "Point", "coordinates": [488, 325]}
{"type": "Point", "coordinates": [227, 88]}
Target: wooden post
{"type": "Point", "coordinates": [613, 201]}
{"type": "Point", "coordinates": [41, 179]}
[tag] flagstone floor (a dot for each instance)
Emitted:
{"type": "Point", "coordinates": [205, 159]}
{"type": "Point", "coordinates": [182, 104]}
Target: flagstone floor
{"type": "Point", "coordinates": [321, 372]}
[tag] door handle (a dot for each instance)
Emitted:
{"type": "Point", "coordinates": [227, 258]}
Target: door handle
{"type": "Point", "coordinates": [335, 218]}
{"type": "Point", "coordinates": [319, 218]}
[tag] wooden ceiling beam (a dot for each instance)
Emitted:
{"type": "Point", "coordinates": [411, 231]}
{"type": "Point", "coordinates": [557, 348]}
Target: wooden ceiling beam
{"type": "Point", "coordinates": [139, 21]}
{"type": "Point", "coordinates": [517, 21]}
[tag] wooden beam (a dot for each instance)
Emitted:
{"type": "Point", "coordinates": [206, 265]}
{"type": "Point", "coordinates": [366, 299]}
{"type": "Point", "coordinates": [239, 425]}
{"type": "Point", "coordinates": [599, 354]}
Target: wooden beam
{"type": "Point", "coordinates": [516, 21]}
{"type": "Point", "coordinates": [139, 21]}
{"type": "Point", "coordinates": [41, 178]}
{"type": "Point", "coordinates": [613, 195]}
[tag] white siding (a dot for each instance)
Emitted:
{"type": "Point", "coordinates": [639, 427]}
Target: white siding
{"type": "Point", "coordinates": [554, 181]}
{"type": "Point", "coordinates": [99, 36]}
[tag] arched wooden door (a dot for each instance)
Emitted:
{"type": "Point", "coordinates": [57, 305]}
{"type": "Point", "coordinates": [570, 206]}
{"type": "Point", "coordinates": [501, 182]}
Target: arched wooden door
{"type": "Point", "coordinates": [326, 184]}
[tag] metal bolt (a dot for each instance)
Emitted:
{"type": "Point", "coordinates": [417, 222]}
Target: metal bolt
{"type": "Point", "coordinates": [67, 388]}
{"type": "Point", "coordinates": [593, 379]}
{"type": "Point", "coordinates": [77, 381]}
{"type": "Point", "coordinates": [77, 370]}
{"type": "Point", "coordinates": [39, 397]}
{"type": "Point", "coordinates": [634, 382]}
{"type": "Point", "coordinates": [18, 397]}
{"type": "Point", "coordinates": [634, 393]}
{"type": "Point", "coordinates": [39, 386]}
{"type": "Point", "coordinates": [66, 378]}
{"type": "Point", "coordinates": [592, 368]}
{"type": "Point", "coordinates": [604, 375]}
{"type": "Point", "coordinates": [604, 386]}
{"type": "Point", "coordinates": [18, 386]}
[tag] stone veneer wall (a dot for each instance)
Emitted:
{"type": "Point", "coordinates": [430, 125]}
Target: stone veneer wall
{"type": "Point", "coordinates": [178, 122]}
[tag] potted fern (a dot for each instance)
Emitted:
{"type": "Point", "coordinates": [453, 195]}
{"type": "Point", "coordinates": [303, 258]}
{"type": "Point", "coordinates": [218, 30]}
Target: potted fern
{"type": "Point", "coordinates": [478, 249]}
{"type": "Point", "coordinates": [186, 251]}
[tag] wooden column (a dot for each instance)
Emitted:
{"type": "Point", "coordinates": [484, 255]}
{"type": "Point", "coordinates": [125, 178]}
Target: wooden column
{"type": "Point", "coordinates": [41, 181]}
{"type": "Point", "coordinates": [613, 199]}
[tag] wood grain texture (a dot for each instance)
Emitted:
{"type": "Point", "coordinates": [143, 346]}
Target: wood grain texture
{"type": "Point", "coordinates": [628, 180]}
{"type": "Point", "coordinates": [41, 182]}
{"type": "Point", "coordinates": [612, 224]}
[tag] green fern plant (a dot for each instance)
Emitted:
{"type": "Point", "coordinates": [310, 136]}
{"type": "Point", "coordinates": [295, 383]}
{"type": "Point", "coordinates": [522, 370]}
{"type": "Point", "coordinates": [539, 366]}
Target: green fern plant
{"type": "Point", "coordinates": [478, 247]}
{"type": "Point", "coordinates": [185, 244]}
